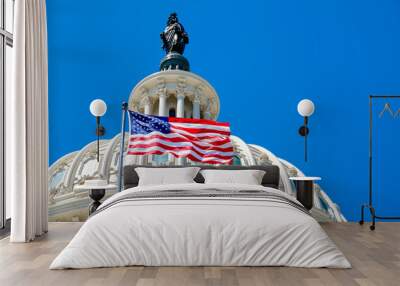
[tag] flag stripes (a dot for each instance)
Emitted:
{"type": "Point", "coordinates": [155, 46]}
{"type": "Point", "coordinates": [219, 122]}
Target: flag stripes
{"type": "Point", "coordinates": [204, 141]}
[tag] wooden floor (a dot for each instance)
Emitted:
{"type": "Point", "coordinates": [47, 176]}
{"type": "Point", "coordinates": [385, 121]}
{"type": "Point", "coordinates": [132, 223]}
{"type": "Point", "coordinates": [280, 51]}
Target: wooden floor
{"type": "Point", "coordinates": [375, 257]}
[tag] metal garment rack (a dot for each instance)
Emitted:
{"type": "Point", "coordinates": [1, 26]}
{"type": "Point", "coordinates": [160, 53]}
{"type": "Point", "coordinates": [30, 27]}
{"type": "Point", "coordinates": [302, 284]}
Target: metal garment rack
{"type": "Point", "coordinates": [369, 206]}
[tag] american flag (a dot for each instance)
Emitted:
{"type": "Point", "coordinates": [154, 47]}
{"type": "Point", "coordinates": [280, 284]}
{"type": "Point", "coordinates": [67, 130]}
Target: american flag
{"type": "Point", "coordinates": [200, 140]}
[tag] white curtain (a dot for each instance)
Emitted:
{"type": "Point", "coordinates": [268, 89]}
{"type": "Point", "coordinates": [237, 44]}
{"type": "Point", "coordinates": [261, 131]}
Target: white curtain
{"type": "Point", "coordinates": [26, 123]}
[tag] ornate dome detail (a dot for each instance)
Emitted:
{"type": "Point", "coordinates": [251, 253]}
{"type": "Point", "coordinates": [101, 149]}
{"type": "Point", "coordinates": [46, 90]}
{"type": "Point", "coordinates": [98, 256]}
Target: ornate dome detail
{"type": "Point", "coordinates": [73, 169]}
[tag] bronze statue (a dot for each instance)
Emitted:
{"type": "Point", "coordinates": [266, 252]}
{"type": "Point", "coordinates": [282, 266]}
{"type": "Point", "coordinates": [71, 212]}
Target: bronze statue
{"type": "Point", "coordinates": [174, 37]}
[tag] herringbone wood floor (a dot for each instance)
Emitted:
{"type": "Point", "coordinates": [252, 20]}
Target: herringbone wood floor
{"type": "Point", "coordinates": [375, 257]}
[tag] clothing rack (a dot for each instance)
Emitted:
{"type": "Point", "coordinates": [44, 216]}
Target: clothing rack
{"type": "Point", "coordinates": [369, 206]}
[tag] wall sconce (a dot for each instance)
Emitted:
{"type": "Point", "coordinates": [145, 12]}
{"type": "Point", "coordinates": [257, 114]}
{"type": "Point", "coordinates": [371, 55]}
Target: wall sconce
{"type": "Point", "coordinates": [306, 109]}
{"type": "Point", "coordinates": [98, 108]}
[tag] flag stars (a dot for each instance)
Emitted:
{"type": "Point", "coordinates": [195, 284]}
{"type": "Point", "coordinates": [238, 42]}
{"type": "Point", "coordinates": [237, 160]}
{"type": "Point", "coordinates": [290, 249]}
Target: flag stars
{"type": "Point", "coordinates": [145, 124]}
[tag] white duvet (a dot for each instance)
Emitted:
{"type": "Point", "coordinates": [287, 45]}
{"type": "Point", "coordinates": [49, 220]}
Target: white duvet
{"type": "Point", "coordinates": [200, 231]}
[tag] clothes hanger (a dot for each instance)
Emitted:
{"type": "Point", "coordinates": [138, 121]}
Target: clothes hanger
{"type": "Point", "coordinates": [388, 108]}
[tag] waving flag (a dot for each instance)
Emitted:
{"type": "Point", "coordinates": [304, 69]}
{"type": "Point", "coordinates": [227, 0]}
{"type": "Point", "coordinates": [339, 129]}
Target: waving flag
{"type": "Point", "coordinates": [200, 140]}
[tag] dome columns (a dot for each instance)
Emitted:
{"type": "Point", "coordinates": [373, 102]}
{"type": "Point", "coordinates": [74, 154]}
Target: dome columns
{"type": "Point", "coordinates": [207, 113]}
{"type": "Point", "coordinates": [162, 97]}
{"type": "Point", "coordinates": [162, 104]}
{"type": "Point", "coordinates": [196, 103]}
{"type": "Point", "coordinates": [180, 105]}
{"type": "Point", "coordinates": [175, 93]}
{"type": "Point", "coordinates": [146, 102]}
{"type": "Point", "coordinates": [180, 98]}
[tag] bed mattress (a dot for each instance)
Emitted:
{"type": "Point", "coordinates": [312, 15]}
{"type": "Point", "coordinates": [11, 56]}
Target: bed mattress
{"type": "Point", "coordinates": [201, 225]}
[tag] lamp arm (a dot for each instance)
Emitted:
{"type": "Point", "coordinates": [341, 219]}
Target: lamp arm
{"type": "Point", "coordinates": [305, 148]}
{"type": "Point", "coordinates": [305, 138]}
{"type": "Point", "coordinates": [98, 137]}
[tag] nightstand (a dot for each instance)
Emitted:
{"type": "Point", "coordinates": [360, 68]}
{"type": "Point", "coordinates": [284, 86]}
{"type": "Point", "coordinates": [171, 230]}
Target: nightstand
{"type": "Point", "coordinates": [305, 190]}
{"type": "Point", "coordinates": [97, 190]}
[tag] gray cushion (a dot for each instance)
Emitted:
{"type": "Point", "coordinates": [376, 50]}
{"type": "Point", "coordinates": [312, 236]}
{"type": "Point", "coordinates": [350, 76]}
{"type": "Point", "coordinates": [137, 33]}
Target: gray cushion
{"type": "Point", "coordinates": [270, 179]}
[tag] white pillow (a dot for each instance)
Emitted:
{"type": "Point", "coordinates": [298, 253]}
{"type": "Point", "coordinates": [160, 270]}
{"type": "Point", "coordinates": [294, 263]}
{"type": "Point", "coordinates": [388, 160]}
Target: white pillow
{"type": "Point", "coordinates": [166, 176]}
{"type": "Point", "coordinates": [248, 177]}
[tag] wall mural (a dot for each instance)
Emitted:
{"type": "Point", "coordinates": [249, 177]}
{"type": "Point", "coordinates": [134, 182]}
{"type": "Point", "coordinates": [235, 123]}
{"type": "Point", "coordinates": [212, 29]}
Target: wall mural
{"type": "Point", "coordinates": [172, 90]}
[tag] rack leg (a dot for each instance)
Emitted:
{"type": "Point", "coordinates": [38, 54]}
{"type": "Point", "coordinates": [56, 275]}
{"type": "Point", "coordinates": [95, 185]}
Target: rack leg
{"type": "Point", "coordinates": [361, 222]}
{"type": "Point", "coordinates": [372, 226]}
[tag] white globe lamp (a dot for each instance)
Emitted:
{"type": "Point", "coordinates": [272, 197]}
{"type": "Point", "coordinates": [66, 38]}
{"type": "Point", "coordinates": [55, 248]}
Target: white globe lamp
{"type": "Point", "coordinates": [98, 108]}
{"type": "Point", "coordinates": [305, 107]}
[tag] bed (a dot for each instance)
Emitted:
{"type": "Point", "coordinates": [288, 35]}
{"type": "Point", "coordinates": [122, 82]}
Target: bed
{"type": "Point", "coordinates": [199, 224]}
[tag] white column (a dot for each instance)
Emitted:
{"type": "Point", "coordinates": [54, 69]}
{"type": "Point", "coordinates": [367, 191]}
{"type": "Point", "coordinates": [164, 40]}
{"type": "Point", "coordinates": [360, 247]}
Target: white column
{"type": "Point", "coordinates": [162, 97]}
{"type": "Point", "coordinates": [196, 106]}
{"type": "Point", "coordinates": [147, 105]}
{"type": "Point", "coordinates": [162, 104]}
{"type": "Point", "coordinates": [207, 114]}
{"type": "Point", "coordinates": [180, 105]}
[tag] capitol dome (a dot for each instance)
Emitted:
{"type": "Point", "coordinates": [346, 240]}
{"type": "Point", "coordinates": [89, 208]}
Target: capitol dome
{"type": "Point", "coordinates": [160, 94]}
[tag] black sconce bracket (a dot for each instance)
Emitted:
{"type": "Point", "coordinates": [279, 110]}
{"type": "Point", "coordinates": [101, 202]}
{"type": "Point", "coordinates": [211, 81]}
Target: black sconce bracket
{"type": "Point", "coordinates": [303, 130]}
{"type": "Point", "coordinates": [100, 130]}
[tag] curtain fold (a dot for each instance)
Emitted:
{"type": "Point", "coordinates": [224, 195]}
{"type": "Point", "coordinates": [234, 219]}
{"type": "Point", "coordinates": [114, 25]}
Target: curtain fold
{"type": "Point", "coordinates": [27, 123]}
